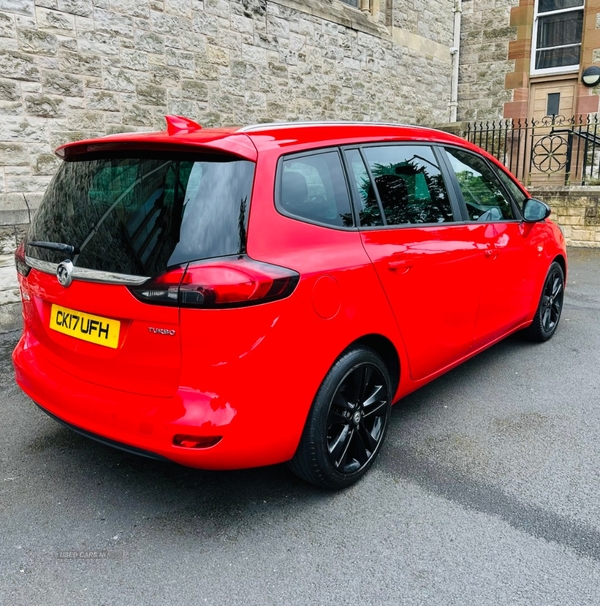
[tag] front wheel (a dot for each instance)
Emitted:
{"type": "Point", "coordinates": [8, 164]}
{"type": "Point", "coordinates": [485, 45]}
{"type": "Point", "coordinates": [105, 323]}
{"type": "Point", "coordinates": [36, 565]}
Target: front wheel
{"type": "Point", "coordinates": [347, 422]}
{"type": "Point", "coordinates": [547, 315]}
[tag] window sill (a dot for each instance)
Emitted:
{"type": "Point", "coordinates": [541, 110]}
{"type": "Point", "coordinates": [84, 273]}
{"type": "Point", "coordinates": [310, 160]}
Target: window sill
{"type": "Point", "coordinates": [338, 12]}
{"type": "Point", "coordinates": [554, 71]}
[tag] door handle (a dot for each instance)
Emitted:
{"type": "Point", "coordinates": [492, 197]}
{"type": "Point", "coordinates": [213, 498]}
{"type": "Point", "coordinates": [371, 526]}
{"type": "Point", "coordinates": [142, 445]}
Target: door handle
{"type": "Point", "coordinates": [401, 266]}
{"type": "Point", "coordinates": [491, 253]}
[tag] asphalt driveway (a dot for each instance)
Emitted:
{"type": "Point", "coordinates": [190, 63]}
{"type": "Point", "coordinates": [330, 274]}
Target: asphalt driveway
{"type": "Point", "coordinates": [487, 492]}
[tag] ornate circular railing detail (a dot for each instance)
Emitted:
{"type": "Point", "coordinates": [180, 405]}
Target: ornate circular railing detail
{"type": "Point", "coordinates": [550, 153]}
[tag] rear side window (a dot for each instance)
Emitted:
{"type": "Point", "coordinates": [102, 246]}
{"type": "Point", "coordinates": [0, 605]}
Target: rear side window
{"type": "Point", "coordinates": [313, 187]}
{"type": "Point", "coordinates": [140, 215]}
{"type": "Point", "coordinates": [409, 184]}
{"type": "Point", "coordinates": [484, 197]}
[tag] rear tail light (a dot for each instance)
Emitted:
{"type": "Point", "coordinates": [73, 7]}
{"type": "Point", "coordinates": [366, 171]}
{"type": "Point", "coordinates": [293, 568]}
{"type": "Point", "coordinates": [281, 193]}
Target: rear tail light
{"type": "Point", "coordinates": [20, 262]}
{"type": "Point", "coordinates": [218, 283]}
{"type": "Point", "coordinates": [162, 290]}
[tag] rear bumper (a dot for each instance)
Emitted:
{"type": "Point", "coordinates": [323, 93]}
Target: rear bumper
{"type": "Point", "coordinates": [146, 425]}
{"type": "Point", "coordinates": [106, 441]}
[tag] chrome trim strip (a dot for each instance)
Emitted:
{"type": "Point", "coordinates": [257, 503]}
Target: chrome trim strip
{"type": "Point", "coordinates": [88, 275]}
{"type": "Point", "coordinates": [45, 266]}
{"type": "Point", "coordinates": [94, 275]}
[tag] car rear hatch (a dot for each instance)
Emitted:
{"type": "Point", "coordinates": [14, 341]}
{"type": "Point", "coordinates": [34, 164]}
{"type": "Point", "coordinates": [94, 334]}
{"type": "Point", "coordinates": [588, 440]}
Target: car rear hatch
{"type": "Point", "coordinates": [110, 223]}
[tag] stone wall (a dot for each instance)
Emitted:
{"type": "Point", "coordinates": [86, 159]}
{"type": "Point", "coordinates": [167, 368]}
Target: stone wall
{"type": "Point", "coordinates": [484, 63]}
{"type": "Point", "coordinates": [72, 69]}
{"type": "Point", "coordinates": [576, 210]}
{"type": "Point", "coordinates": [431, 19]}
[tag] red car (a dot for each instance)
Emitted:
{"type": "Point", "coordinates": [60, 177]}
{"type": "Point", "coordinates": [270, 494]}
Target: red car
{"type": "Point", "coordinates": [230, 298]}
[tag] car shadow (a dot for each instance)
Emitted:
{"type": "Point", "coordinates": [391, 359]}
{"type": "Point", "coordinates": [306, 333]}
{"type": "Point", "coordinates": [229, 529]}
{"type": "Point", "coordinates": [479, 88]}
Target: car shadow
{"type": "Point", "coordinates": [471, 369]}
{"type": "Point", "coordinates": [164, 498]}
{"type": "Point", "coordinates": [85, 458]}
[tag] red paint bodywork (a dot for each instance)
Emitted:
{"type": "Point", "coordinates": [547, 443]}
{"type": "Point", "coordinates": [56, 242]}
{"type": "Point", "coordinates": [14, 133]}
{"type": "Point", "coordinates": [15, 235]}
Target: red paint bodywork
{"type": "Point", "coordinates": [436, 295]}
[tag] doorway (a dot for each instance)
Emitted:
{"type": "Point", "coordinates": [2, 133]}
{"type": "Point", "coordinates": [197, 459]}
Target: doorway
{"type": "Point", "coordinates": [551, 111]}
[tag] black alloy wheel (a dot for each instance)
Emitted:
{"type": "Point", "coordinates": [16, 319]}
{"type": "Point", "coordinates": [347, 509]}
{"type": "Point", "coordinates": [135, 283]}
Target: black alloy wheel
{"type": "Point", "coordinates": [357, 418]}
{"type": "Point", "coordinates": [547, 316]}
{"type": "Point", "coordinates": [347, 422]}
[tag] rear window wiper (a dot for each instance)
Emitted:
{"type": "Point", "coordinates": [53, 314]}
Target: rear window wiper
{"type": "Point", "coordinates": [59, 246]}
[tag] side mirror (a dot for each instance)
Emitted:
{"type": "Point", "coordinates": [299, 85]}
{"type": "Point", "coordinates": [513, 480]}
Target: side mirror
{"type": "Point", "coordinates": [535, 211]}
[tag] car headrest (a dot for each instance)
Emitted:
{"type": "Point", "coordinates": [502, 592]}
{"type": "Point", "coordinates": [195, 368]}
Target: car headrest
{"type": "Point", "coordinates": [294, 190]}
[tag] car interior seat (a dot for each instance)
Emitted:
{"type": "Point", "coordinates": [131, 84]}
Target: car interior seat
{"type": "Point", "coordinates": [294, 191]}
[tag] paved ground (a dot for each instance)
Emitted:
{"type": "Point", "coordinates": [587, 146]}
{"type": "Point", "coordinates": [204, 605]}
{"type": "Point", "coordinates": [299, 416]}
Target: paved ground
{"type": "Point", "coordinates": [487, 493]}
{"type": "Point", "coordinates": [10, 300]}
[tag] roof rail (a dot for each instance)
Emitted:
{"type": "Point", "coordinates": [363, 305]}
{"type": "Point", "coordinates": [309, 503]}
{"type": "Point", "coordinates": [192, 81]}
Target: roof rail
{"type": "Point", "coordinates": [274, 125]}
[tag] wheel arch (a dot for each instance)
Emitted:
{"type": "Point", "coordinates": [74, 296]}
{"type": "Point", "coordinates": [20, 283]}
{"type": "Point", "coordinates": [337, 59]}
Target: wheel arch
{"type": "Point", "coordinates": [388, 352]}
{"type": "Point", "coordinates": [562, 262]}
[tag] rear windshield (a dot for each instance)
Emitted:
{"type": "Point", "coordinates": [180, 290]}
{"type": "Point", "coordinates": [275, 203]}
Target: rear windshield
{"type": "Point", "coordinates": [140, 215]}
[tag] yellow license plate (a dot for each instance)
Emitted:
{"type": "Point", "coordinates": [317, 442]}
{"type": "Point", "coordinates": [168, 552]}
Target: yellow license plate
{"type": "Point", "coordinates": [87, 327]}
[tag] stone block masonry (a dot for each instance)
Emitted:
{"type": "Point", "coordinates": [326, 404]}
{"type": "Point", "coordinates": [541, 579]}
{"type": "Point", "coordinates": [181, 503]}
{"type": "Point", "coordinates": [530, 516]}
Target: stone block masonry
{"type": "Point", "coordinates": [577, 210]}
{"type": "Point", "coordinates": [73, 69]}
{"type": "Point", "coordinates": [484, 60]}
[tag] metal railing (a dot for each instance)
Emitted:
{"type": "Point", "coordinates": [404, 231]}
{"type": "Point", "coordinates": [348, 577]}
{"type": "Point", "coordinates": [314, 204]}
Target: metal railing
{"type": "Point", "coordinates": [552, 151]}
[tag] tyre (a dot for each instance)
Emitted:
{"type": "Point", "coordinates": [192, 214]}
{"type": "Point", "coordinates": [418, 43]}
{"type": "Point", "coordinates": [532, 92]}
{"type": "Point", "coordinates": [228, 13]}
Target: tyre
{"type": "Point", "coordinates": [347, 422]}
{"type": "Point", "coordinates": [550, 306]}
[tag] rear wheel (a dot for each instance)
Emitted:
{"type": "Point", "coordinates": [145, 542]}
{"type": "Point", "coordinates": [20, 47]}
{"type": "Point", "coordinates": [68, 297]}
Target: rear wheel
{"type": "Point", "coordinates": [547, 315]}
{"type": "Point", "coordinates": [347, 423]}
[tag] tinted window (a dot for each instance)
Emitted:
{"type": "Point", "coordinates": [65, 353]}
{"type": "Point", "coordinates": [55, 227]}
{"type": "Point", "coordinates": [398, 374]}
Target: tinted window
{"type": "Point", "coordinates": [140, 215]}
{"type": "Point", "coordinates": [483, 195]}
{"type": "Point", "coordinates": [369, 212]}
{"type": "Point", "coordinates": [409, 184]}
{"type": "Point", "coordinates": [313, 187]}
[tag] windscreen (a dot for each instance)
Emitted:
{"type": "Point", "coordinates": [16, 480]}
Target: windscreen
{"type": "Point", "coordinates": [139, 215]}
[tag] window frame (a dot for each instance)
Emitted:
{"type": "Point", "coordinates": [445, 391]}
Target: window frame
{"type": "Point", "coordinates": [309, 153]}
{"type": "Point", "coordinates": [446, 176]}
{"type": "Point", "coordinates": [355, 194]}
{"type": "Point", "coordinates": [455, 196]}
{"type": "Point", "coordinates": [565, 69]}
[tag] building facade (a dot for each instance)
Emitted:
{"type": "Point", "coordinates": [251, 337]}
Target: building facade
{"type": "Point", "coordinates": [521, 90]}
{"type": "Point", "coordinates": [523, 59]}
{"type": "Point", "coordinates": [73, 69]}
{"type": "Point", "coordinates": [486, 33]}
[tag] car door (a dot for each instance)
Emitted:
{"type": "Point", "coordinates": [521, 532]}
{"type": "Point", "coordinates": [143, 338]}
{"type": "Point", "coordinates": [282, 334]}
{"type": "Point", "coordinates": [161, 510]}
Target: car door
{"type": "Point", "coordinates": [425, 260]}
{"type": "Point", "coordinates": [507, 245]}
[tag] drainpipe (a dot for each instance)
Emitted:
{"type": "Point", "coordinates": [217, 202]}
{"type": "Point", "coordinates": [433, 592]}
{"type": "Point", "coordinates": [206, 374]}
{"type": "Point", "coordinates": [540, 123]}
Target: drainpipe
{"type": "Point", "coordinates": [455, 52]}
